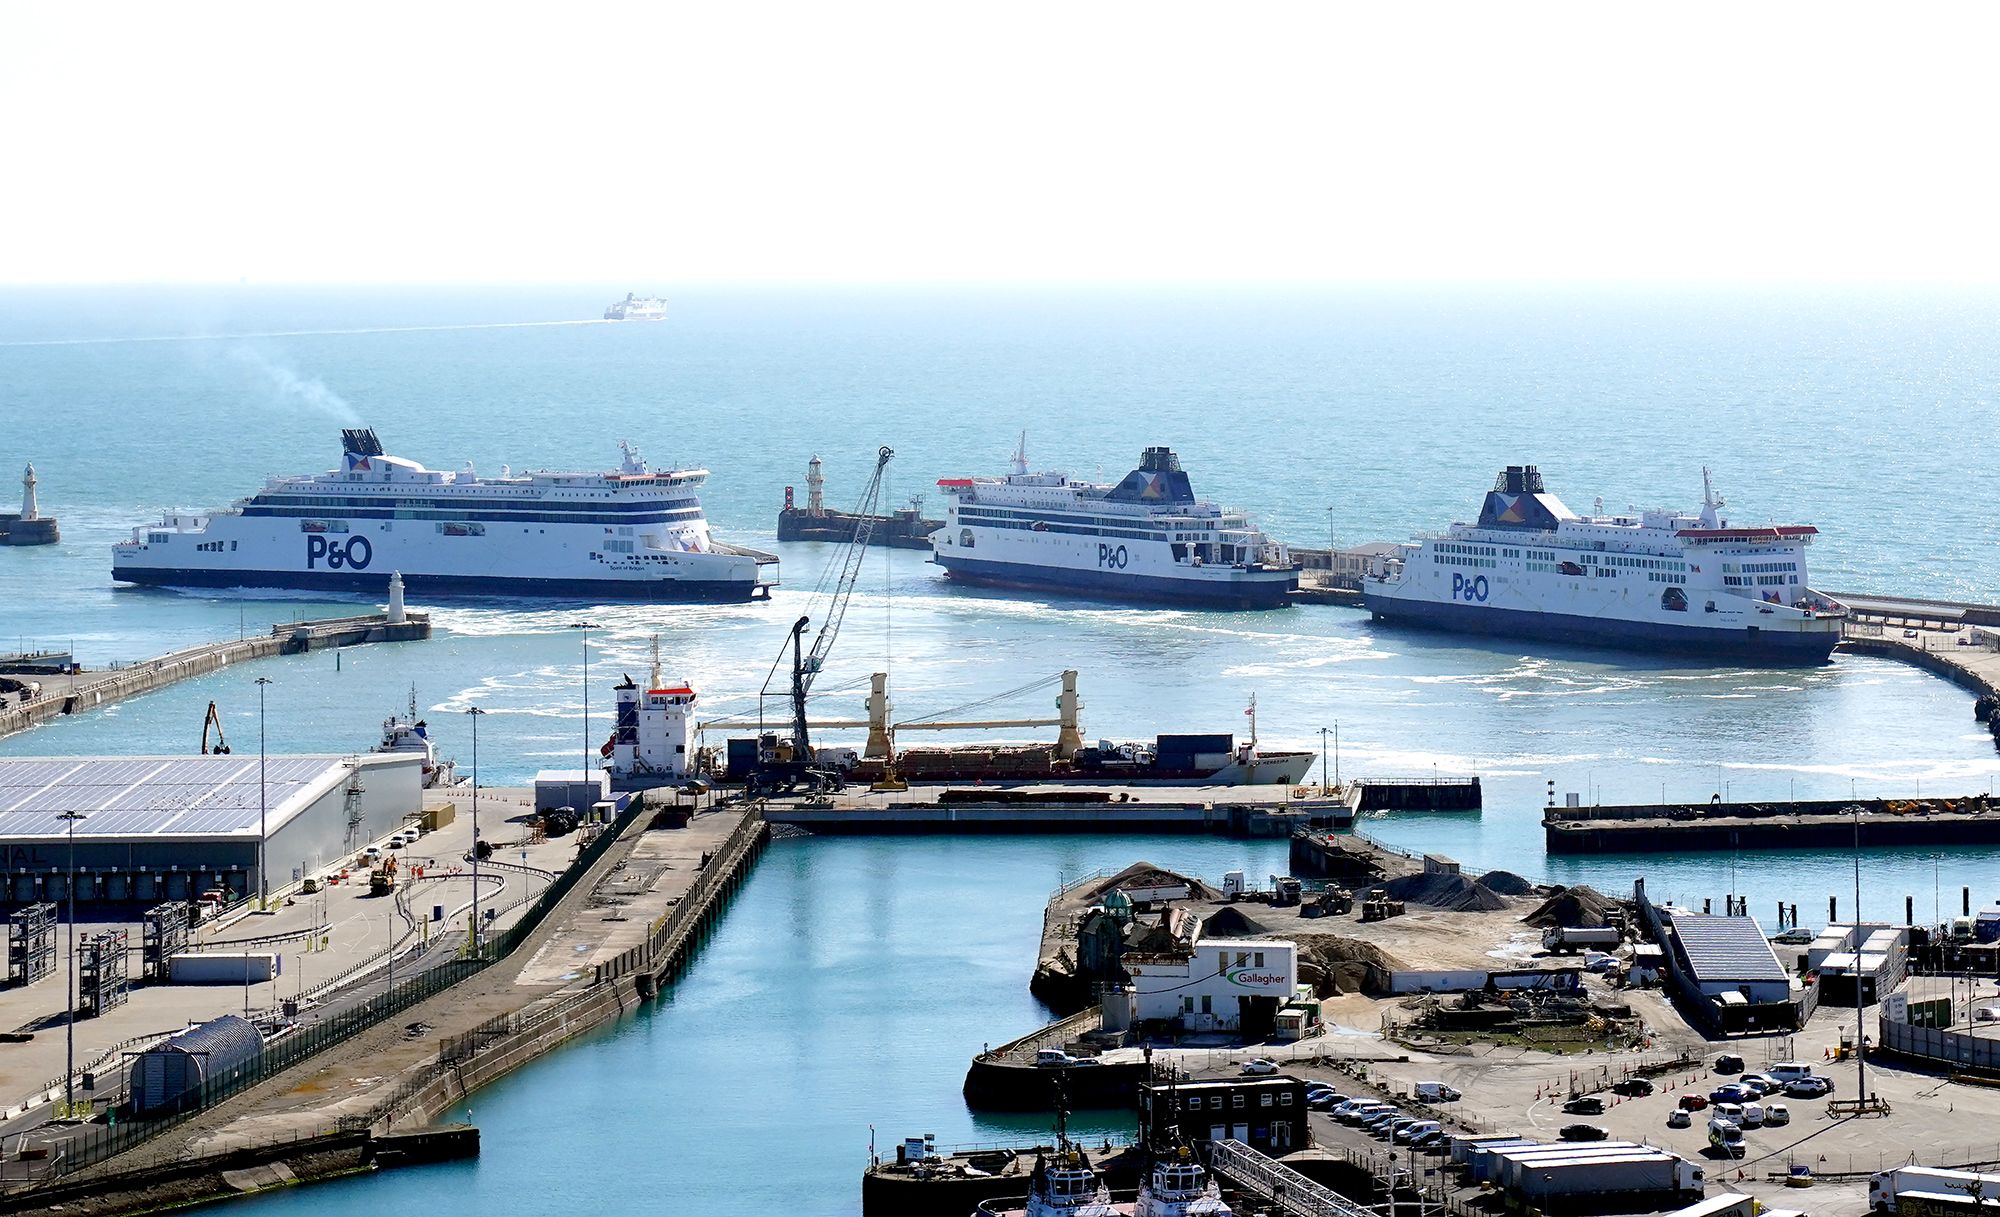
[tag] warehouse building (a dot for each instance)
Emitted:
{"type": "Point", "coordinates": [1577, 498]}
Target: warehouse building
{"type": "Point", "coordinates": [170, 828]}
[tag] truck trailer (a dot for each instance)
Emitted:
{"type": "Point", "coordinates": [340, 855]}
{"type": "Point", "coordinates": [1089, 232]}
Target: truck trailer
{"type": "Point", "coordinates": [1885, 1186]}
{"type": "Point", "coordinates": [1625, 1183]}
{"type": "Point", "coordinates": [1561, 938]}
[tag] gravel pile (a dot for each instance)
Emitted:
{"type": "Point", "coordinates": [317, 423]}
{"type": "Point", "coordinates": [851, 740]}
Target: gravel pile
{"type": "Point", "coordinates": [1507, 883]}
{"type": "Point", "coordinates": [1453, 893]}
{"type": "Point", "coordinates": [1573, 907]}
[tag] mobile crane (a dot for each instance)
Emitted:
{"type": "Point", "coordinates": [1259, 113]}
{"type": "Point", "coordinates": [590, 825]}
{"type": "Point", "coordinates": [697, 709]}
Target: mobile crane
{"type": "Point", "coordinates": [787, 765]}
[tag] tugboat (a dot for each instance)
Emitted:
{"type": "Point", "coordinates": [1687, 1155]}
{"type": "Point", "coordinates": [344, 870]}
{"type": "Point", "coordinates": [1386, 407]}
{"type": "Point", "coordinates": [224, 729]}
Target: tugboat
{"type": "Point", "coordinates": [1179, 1186]}
{"type": "Point", "coordinates": [412, 734]}
{"type": "Point", "coordinates": [1064, 1183]}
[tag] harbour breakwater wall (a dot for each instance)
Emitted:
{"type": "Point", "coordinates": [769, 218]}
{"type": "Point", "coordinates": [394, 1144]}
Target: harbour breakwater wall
{"type": "Point", "coordinates": [1808, 824]}
{"type": "Point", "coordinates": [88, 691]}
{"type": "Point", "coordinates": [491, 1051]}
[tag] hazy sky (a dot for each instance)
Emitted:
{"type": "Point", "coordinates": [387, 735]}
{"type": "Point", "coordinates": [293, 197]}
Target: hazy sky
{"type": "Point", "coordinates": [729, 141]}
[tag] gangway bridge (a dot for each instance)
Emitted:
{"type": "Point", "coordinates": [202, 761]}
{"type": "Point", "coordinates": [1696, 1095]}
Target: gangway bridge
{"type": "Point", "coordinates": [1286, 1189]}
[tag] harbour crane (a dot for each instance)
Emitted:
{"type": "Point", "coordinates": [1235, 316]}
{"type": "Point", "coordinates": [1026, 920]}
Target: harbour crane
{"type": "Point", "coordinates": [214, 720]}
{"type": "Point", "coordinates": [786, 766]}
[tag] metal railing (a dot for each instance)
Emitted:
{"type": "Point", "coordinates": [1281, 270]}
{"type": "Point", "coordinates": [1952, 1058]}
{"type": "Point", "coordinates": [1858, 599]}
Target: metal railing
{"type": "Point", "coordinates": [1291, 1191]}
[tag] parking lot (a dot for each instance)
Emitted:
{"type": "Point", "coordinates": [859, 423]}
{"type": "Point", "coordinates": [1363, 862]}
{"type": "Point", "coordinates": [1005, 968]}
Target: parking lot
{"type": "Point", "coordinates": [1521, 1092]}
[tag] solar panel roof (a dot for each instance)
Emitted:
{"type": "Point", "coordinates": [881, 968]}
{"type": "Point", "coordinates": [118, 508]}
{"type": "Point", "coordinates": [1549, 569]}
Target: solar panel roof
{"type": "Point", "coordinates": [1727, 948]}
{"type": "Point", "coordinates": [169, 796]}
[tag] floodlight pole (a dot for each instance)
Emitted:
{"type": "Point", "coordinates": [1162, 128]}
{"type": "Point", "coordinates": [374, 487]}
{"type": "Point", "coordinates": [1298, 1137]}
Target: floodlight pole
{"type": "Point", "coordinates": [69, 989]}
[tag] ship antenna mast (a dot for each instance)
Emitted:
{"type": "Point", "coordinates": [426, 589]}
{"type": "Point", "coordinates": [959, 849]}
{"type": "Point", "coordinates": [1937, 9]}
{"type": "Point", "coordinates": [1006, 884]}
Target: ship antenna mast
{"type": "Point", "coordinates": [1021, 454]}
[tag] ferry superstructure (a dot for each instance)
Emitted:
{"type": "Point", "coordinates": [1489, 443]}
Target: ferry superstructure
{"type": "Point", "coordinates": [1146, 538]}
{"type": "Point", "coordinates": [637, 308]}
{"type": "Point", "coordinates": [630, 533]}
{"type": "Point", "coordinates": [1652, 580]}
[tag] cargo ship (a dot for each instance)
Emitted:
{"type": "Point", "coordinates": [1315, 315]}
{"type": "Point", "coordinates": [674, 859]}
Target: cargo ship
{"type": "Point", "coordinates": [904, 528]}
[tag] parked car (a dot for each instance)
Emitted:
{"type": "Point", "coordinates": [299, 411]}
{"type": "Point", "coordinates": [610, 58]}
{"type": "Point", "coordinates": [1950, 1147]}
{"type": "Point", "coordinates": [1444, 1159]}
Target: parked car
{"type": "Point", "coordinates": [1584, 1105]}
{"type": "Point", "coordinates": [1693, 1102]}
{"type": "Point", "coordinates": [1634, 1088]}
{"type": "Point", "coordinates": [1361, 1110]}
{"type": "Point", "coordinates": [1408, 1134]}
{"type": "Point", "coordinates": [1752, 1117]}
{"type": "Point", "coordinates": [1388, 1130]}
{"type": "Point", "coordinates": [1598, 961]}
{"type": "Point", "coordinates": [1729, 1062]}
{"type": "Point", "coordinates": [1582, 1132]}
{"type": "Point", "coordinates": [1764, 1082]}
{"type": "Point", "coordinates": [1776, 1114]}
{"type": "Point", "coordinates": [1436, 1138]}
{"type": "Point", "coordinates": [1259, 1066]}
{"type": "Point", "coordinates": [1374, 1120]}
{"type": "Point", "coordinates": [1323, 1100]}
{"type": "Point", "coordinates": [1351, 1108]}
{"type": "Point", "coordinates": [1054, 1058]}
{"type": "Point", "coordinates": [1679, 1118]}
{"type": "Point", "coordinates": [1734, 1092]}
{"type": "Point", "coordinates": [1808, 1088]}
{"type": "Point", "coordinates": [1732, 1112]}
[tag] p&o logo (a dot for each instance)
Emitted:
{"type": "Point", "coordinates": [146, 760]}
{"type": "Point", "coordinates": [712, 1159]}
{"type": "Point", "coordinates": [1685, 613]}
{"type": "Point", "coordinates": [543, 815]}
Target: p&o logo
{"type": "Point", "coordinates": [354, 554]}
{"type": "Point", "coordinates": [1472, 590]}
{"type": "Point", "coordinates": [1111, 557]}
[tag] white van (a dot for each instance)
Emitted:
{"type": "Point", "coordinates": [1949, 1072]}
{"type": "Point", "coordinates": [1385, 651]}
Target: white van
{"type": "Point", "coordinates": [1788, 1071]}
{"type": "Point", "coordinates": [1436, 1092]}
{"type": "Point", "coordinates": [1753, 1116]}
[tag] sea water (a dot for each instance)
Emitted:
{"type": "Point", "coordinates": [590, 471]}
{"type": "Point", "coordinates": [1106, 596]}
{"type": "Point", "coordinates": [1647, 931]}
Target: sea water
{"type": "Point", "coordinates": [871, 970]}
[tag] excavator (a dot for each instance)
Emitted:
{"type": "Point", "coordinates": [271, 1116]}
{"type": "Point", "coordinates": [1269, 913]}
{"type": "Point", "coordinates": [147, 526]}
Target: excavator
{"type": "Point", "coordinates": [214, 720]}
{"type": "Point", "coordinates": [787, 765]}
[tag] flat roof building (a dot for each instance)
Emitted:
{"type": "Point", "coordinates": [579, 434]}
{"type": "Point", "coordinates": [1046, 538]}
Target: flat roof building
{"type": "Point", "coordinates": [1731, 955]}
{"type": "Point", "coordinates": [171, 827]}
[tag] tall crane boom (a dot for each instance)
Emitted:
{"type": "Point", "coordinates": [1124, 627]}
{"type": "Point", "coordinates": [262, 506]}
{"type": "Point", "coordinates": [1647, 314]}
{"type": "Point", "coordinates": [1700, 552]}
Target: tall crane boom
{"type": "Point", "coordinates": [799, 769]}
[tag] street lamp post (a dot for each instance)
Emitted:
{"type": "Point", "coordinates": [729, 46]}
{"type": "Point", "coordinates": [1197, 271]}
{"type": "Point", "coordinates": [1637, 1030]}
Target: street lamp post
{"type": "Point", "coordinates": [263, 882]}
{"type": "Point", "coordinates": [1325, 773]}
{"type": "Point", "coordinates": [476, 714]}
{"type": "Point", "coordinates": [69, 988]}
{"type": "Point", "coordinates": [586, 710]}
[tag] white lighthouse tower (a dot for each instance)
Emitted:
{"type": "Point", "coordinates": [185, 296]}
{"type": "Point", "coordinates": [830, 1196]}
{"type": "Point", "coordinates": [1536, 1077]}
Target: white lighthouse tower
{"type": "Point", "coordinates": [28, 509]}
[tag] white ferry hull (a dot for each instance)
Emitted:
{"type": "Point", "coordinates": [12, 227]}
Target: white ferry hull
{"type": "Point", "coordinates": [628, 534]}
{"type": "Point", "coordinates": [1224, 588]}
{"type": "Point", "coordinates": [1808, 642]}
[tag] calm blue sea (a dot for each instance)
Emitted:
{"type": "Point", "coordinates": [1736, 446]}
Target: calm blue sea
{"type": "Point", "coordinates": [880, 965]}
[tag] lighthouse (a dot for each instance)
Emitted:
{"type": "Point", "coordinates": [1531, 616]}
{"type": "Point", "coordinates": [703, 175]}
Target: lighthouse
{"type": "Point", "coordinates": [31, 527]}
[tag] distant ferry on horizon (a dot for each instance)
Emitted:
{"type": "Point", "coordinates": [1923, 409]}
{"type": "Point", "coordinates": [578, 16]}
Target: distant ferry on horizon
{"type": "Point", "coordinates": [1653, 580]}
{"type": "Point", "coordinates": [631, 533]}
{"type": "Point", "coordinates": [1146, 538]}
{"type": "Point", "coordinates": [637, 308]}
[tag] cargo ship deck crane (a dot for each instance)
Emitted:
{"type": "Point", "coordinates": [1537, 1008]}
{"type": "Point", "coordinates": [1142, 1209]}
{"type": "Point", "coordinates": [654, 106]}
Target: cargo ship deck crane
{"type": "Point", "coordinates": [214, 720]}
{"type": "Point", "coordinates": [786, 766]}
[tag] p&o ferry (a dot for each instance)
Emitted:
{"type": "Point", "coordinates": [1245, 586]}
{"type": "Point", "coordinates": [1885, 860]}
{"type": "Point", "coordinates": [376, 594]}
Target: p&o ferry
{"type": "Point", "coordinates": [633, 533]}
{"type": "Point", "coordinates": [1145, 538]}
{"type": "Point", "coordinates": [1652, 580]}
{"type": "Point", "coordinates": [637, 308]}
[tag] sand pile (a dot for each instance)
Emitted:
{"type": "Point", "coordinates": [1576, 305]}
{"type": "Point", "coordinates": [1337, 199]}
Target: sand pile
{"type": "Point", "coordinates": [1232, 922]}
{"type": "Point", "coordinates": [1573, 907]}
{"type": "Point", "coordinates": [1339, 965]}
{"type": "Point", "coordinates": [1507, 883]}
{"type": "Point", "coordinates": [1453, 893]}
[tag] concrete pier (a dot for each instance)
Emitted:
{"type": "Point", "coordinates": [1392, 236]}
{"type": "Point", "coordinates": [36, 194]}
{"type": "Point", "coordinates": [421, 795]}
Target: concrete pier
{"type": "Point", "coordinates": [87, 690]}
{"type": "Point", "coordinates": [1971, 819]}
{"type": "Point", "coordinates": [1238, 811]}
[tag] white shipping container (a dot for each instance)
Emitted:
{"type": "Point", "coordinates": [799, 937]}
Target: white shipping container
{"type": "Point", "coordinates": [223, 968]}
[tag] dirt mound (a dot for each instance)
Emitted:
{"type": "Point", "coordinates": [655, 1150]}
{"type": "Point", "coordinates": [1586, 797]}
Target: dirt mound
{"type": "Point", "coordinates": [1337, 965]}
{"type": "Point", "coordinates": [1581, 906]}
{"type": "Point", "coordinates": [1232, 922]}
{"type": "Point", "coordinates": [1453, 893]}
{"type": "Point", "coordinates": [1507, 883]}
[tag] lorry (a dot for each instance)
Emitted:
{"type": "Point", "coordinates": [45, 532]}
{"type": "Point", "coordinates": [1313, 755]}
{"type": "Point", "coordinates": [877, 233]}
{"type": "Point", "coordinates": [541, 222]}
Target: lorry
{"type": "Point", "coordinates": [1571, 939]}
{"type": "Point", "coordinates": [1638, 1179]}
{"type": "Point", "coordinates": [1884, 1187]}
{"type": "Point", "coordinates": [1514, 1167]}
